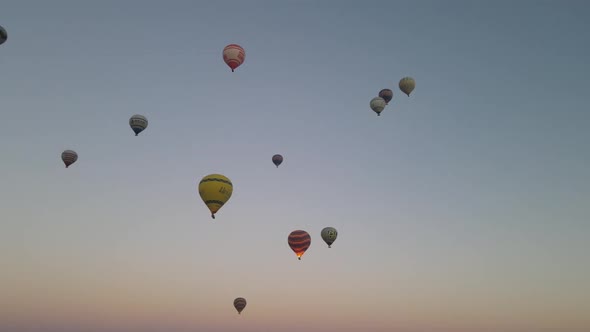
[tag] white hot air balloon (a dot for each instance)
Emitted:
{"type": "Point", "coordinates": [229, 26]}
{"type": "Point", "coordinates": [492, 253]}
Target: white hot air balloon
{"type": "Point", "coordinates": [138, 123]}
{"type": "Point", "coordinates": [377, 105]}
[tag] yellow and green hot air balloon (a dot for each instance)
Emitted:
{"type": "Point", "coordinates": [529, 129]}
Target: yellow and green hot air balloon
{"type": "Point", "coordinates": [215, 190]}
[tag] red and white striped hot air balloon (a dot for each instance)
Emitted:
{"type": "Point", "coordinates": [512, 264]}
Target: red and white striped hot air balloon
{"type": "Point", "coordinates": [234, 55]}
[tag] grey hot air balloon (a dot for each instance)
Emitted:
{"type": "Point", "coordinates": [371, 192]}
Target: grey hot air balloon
{"type": "Point", "coordinates": [3, 35]}
{"type": "Point", "coordinates": [277, 159]}
{"type": "Point", "coordinates": [329, 235]}
{"type": "Point", "coordinates": [377, 105]}
{"type": "Point", "coordinates": [240, 304]}
{"type": "Point", "coordinates": [138, 123]}
{"type": "Point", "coordinates": [69, 157]}
{"type": "Point", "coordinates": [407, 85]}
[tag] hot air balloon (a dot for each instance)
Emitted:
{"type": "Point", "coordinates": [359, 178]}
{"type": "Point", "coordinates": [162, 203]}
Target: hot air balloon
{"type": "Point", "coordinates": [240, 304]}
{"type": "Point", "coordinates": [215, 190]}
{"type": "Point", "coordinates": [377, 105]}
{"type": "Point", "coordinates": [277, 159]}
{"type": "Point", "coordinates": [329, 235]}
{"type": "Point", "coordinates": [138, 123]}
{"type": "Point", "coordinates": [386, 94]}
{"type": "Point", "coordinates": [234, 55]}
{"type": "Point", "coordinates": [3, 35]}
{"type": "Point", "coordinates": [69, 157]}
{"type": "Point", "coordinates": [407, 85]}
{"type": "Point", "coordinates": [299, 241]}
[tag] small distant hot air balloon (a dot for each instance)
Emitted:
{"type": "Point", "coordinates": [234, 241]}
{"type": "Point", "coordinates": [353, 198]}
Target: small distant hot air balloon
{"type": "Point", "coordinates": [3, 35]}
{"type": "Point", "coordinates": [215, 190]}
{"type": "Point", "coordinates": [138, 123]}
{"type": "Point", "coordinates": [386, 94]}
{"type": "Point", "coordinates": [299, 241]}
{"type": "Point", "coordinates": [407, 85]}
{"type": "Point", "coordinates": [277, 159]}
{"type": "Point", "coordinates": [329, 235]}
{"type": "Point", "coordinates": [377, 105]}
{"type": "Point", "coordinates": [69, 157]}
{"type": "Point", "coordinates": [234, 55]}
{"type": "Point", "coordinates": [240, 304]}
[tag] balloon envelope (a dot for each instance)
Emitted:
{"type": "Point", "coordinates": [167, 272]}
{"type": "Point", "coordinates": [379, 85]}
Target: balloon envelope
{"type": "Point", "coordinates": [215, 190]}
{"type": "Point", "coordinates": [329, 235]}
{"type": "Point", "coordinates": [234, 55]}
{"type": "Point", "coordinates": [277, 159]}
{"type": "Point", "coordinates": [407, 85]}
{"type": "Point", "coordinates": [377, 105]}
{"type": "Point", "coordinates": [138, 123]}
{"type": "Point", "coordinates": [69, 157]}
{"type": "Point", "coordinates": [299, 241]}
{"type": "Point", "coordinates": [240, 304]}
{"type": "Point", "coordinates": [3, 35]}
{"type": "Point", "coordinates": [386, 94]}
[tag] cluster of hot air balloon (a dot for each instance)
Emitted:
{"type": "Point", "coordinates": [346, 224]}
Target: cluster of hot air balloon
{"type": "Point", "coordinates": [378, 104]}
{"type": "Point", "coordinates": [216, 189]}
{"type": "Point", "coordinates": [233, 55]}
{"type": "Point", "coordinates": [138, 123]}
{"type": "Point", "coordinates": [300, 240]}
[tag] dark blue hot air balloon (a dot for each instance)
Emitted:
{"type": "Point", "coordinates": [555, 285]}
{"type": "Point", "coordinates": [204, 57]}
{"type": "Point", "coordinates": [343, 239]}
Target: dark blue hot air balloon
{"type": "Point", "coordinates": [277, 159]}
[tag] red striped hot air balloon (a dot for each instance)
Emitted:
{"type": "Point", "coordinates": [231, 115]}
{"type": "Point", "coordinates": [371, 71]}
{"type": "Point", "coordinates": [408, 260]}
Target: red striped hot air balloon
{"type": "Point", "coordinates": [299, 241]}
{"type": "Point", "coordinates": [234, 55]}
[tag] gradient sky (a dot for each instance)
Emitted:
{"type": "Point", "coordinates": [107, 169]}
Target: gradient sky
{"type": "Point", "coordinates": [464, 207]}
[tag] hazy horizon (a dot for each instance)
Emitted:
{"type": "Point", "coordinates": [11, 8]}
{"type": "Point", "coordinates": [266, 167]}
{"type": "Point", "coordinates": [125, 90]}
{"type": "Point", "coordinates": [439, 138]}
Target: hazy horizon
{"type": "Point", "coordinates": [462, 208]}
